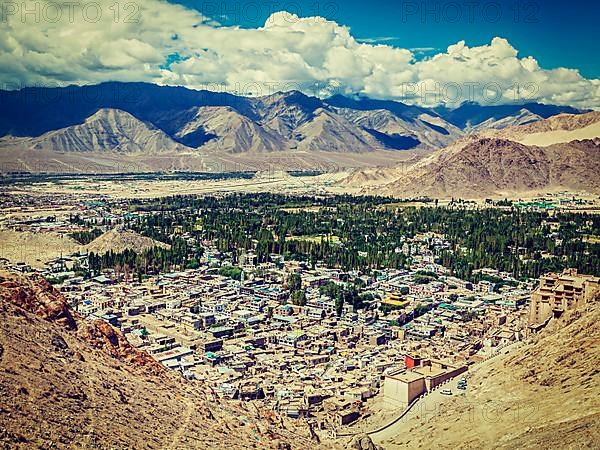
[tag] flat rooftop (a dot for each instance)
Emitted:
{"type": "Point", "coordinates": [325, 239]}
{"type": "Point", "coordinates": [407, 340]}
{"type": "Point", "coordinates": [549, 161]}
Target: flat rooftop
{"type": "Point", "coordinates": [407, 376]}
{"type": "Point", "coordinates": [430, 371]}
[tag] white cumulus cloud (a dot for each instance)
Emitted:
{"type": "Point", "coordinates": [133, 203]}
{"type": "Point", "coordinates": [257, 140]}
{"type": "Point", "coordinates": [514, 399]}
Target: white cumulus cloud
{"type": "Point", "coordinates": [163, 43]}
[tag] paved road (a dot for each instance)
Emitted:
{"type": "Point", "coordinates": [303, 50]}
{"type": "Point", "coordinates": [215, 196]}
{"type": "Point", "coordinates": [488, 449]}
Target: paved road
{"type": "Point", "coordinates": [431, 404]}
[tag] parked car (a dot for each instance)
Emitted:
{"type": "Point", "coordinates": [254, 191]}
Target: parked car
{"type": "Point", "coordinates": [462, 386]}
{"type": "Point", "coordinates": [446, 392]}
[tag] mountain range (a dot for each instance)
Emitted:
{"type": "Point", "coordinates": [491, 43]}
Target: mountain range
{"type": "Point", "coordinates": [394, 148]}
{"type": "Point", "coordinates": [145, 118]}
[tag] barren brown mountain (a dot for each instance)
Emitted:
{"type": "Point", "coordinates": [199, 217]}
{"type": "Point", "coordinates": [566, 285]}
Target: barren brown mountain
{"type": "Point", "coordinates": [67, 383]}
{"type": "Point", "coordinates": [561, 122]}
{"type": "Point", "coordinates": [554, 130]}
{"type": "Point", "coordinates": [500, 164]}
{"type": "Point", "coordinates": [491, 166]}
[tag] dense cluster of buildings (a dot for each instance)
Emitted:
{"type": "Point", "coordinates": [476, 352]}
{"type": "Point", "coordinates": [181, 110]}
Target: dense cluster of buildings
{"type": "Point", "coordinates": [246, 340]}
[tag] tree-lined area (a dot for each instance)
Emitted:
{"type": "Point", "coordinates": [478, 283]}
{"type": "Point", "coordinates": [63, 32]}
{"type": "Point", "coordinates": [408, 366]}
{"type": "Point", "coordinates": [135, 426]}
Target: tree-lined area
{"type": "Point", "coordinates": [354, 233]}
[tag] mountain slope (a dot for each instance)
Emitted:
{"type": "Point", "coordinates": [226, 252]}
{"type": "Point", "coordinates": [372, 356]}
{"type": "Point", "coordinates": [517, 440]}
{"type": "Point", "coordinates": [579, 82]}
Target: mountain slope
{"type": "Point", "coordinates": [500, 162]}
{"type": "Point", "coordinates": [67, 383]}
{"type": "Point", "coordinates": [284, 112]}
{"type": "Point", "coordinates": [489, 166]}
{"type": "Point", "coordinates": [469, 114]}
{"type": "Point", "coordinates": [399, 109]}
{"type": "Point", "coordinates": [229, 131]}
{"type": "Point", "coordinates": [555, 130]}
{"type": "Point", "coordinates": [107, 130]}
{"type": "Point", "coordinates": [544, 395]}
{"type": "Point", "coordinates": [521, 117]}
{"type": "Point", "coordinates": [331, 133]}
{"type": "Point", "coordinates": [482, 166]}
{"type": "Point", "coordinates": [422, 131]}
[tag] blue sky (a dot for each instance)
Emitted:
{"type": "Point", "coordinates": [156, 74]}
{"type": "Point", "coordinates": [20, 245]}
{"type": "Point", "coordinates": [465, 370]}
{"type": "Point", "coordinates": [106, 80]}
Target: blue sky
{"type": "Point", "coordinates": [420, 52]}
{"type": "Point", "coordinates": [557, 34]}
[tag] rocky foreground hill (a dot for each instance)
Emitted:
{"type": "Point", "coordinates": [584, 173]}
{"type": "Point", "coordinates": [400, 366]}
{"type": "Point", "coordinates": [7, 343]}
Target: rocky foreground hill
{"type": "Point", "coordinates": [69, 383]}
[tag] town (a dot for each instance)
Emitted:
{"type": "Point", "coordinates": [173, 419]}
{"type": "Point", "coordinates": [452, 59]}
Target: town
{"type": "Point", "coordinates": [274, 299]}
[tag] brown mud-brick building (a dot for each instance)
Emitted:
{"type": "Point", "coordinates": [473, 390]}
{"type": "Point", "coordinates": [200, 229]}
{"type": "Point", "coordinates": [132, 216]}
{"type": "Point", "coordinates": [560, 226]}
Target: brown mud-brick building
{"type": "Point", "coordinates": [558, 293]}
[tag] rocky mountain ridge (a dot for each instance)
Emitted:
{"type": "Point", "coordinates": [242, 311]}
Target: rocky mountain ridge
{"type": "Point", "coordinates": [148, 119]}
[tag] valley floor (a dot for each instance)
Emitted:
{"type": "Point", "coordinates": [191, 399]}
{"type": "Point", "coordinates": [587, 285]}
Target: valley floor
{"type": "Point", "coordinates": [36, 161]}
